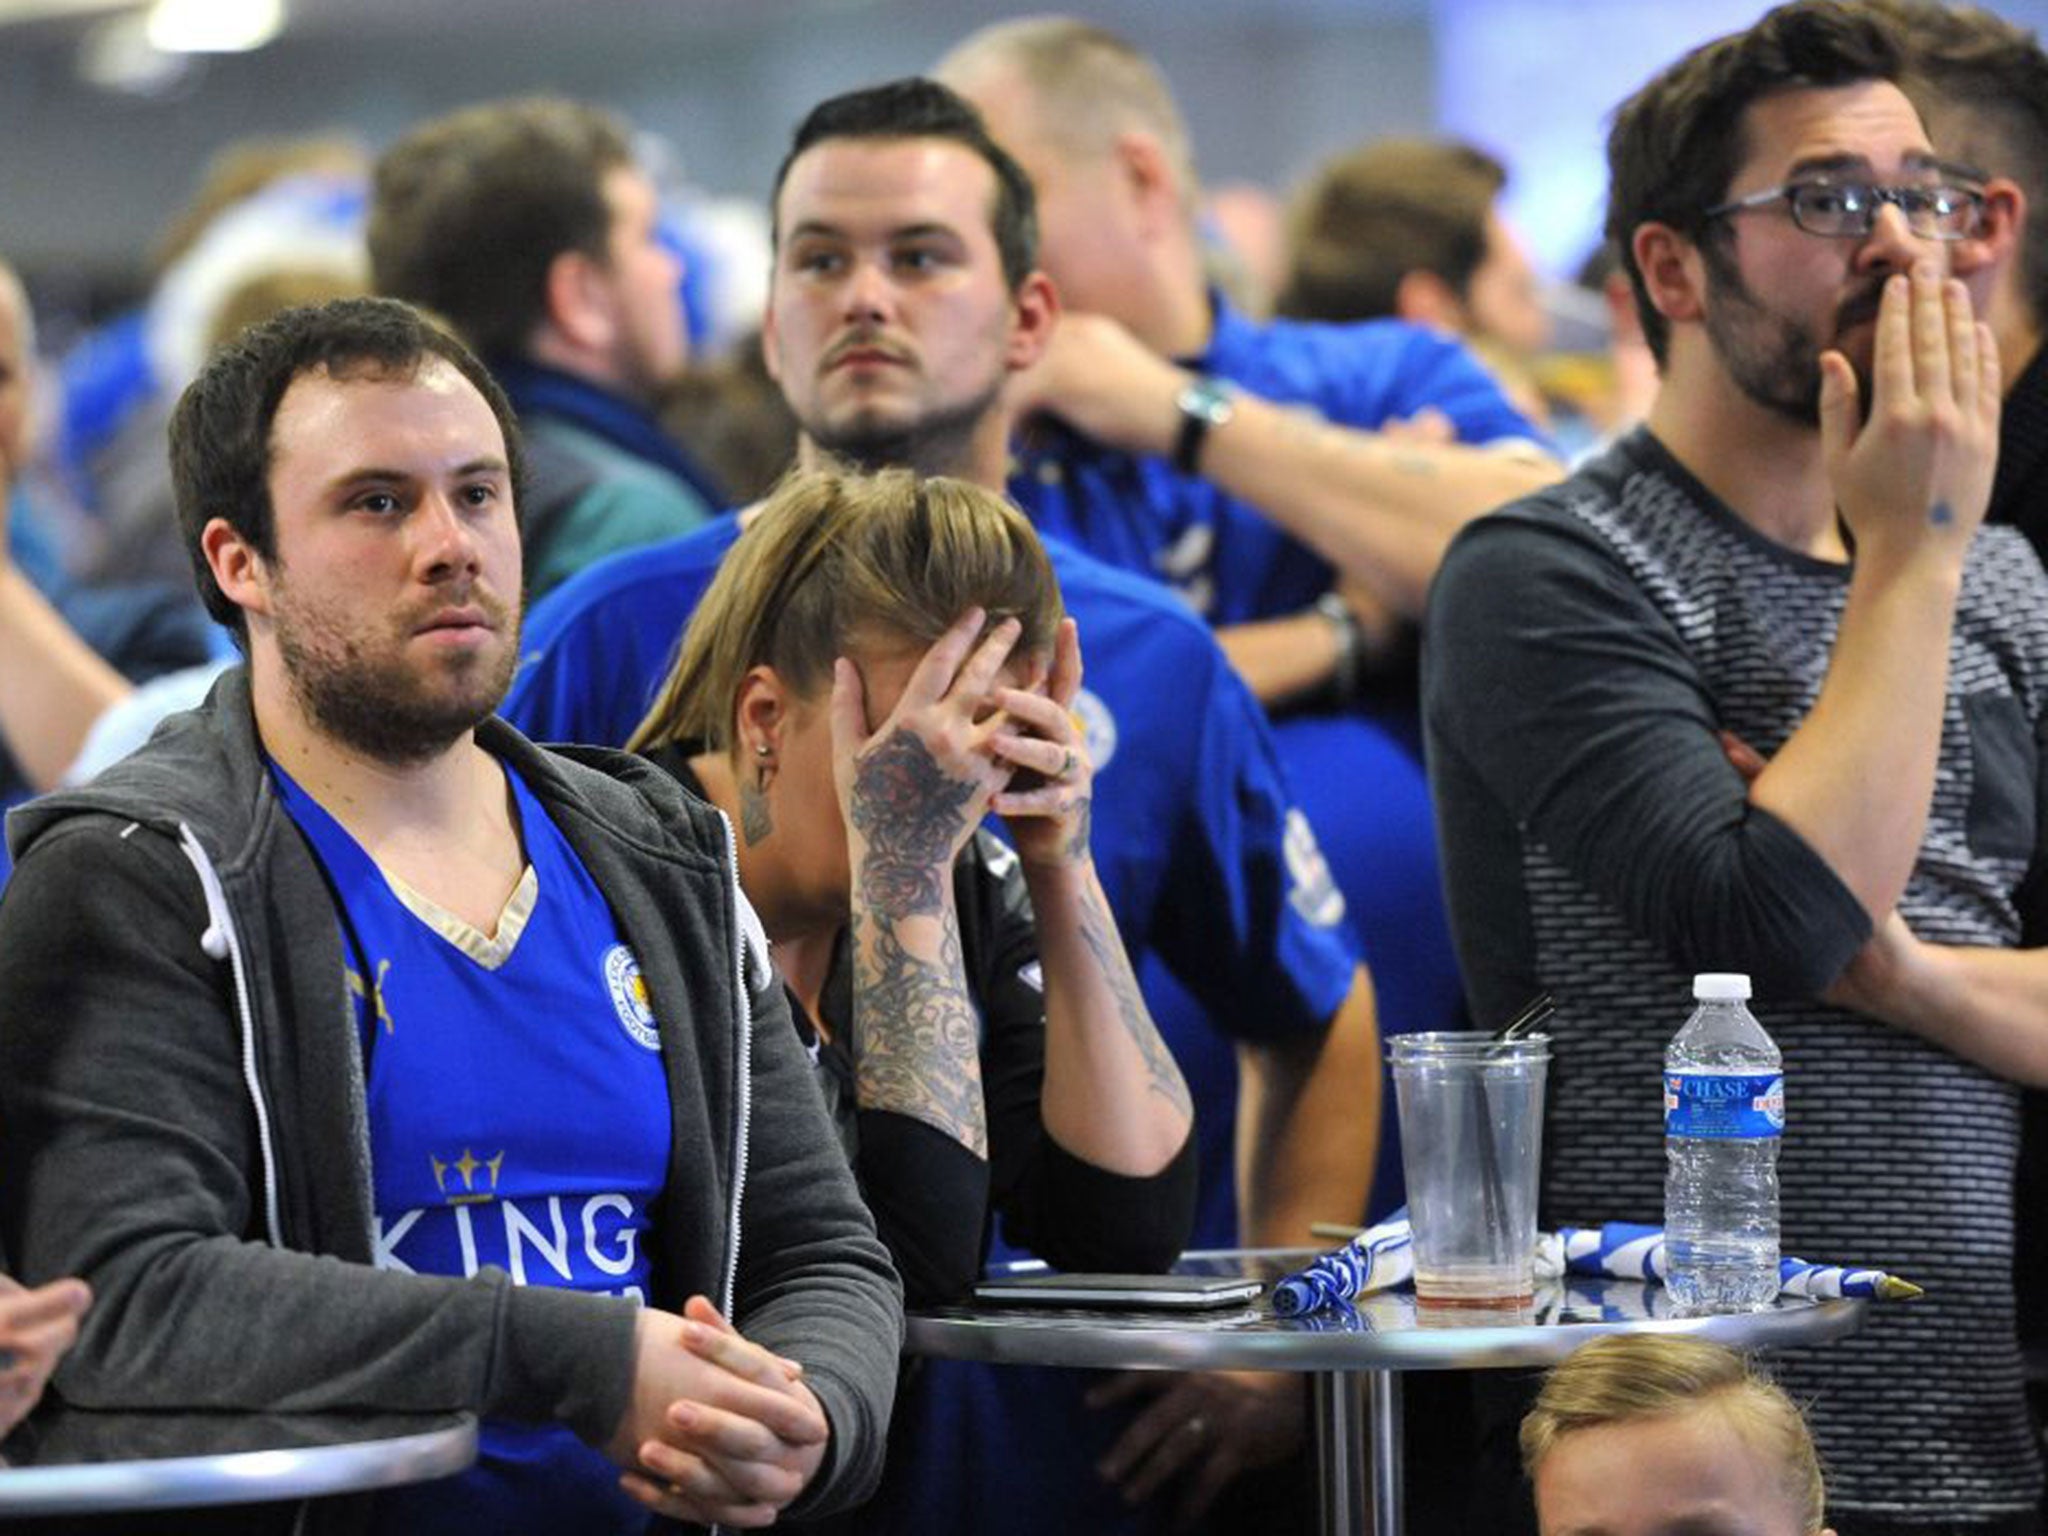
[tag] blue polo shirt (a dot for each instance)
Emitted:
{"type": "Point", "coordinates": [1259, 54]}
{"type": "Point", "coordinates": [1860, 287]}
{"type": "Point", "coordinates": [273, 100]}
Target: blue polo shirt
{"type": "Point", "coordinates": [519, 1118]}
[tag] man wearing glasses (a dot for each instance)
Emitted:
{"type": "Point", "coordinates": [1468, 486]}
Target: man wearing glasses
{"type": "Point", "coordinates": [1753, 692]}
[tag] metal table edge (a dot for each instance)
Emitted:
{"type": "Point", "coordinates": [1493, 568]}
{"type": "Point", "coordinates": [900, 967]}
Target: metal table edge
{"type": "Point", "coordinates": [1020, 1338]}
{"type": "Point", "coordinates": [239, 1477]}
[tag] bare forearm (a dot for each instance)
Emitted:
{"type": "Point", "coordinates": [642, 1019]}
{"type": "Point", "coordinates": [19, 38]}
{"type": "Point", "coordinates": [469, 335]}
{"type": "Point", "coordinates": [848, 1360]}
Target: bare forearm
{"type": "Point", "coordinates": [1308, 1127]}
{"type": "Point", "coordinates": [1113, 1095]}
{"type": "Point", "coordinates": [53, 686]}
{"type": "Point", "coordinates": [1282, 659]}
{"type": "Point", "coordinates": [1857, 777]}
{"type": "Point", "coordinates": [1381, 509]}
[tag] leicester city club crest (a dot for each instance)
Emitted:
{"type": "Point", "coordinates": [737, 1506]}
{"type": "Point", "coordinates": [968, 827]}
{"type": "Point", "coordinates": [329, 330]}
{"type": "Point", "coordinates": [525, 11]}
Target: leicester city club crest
{"type": "Point", "coordinates": [629, 996]}
{"type": "Point", "coordinates": [1098, 728]}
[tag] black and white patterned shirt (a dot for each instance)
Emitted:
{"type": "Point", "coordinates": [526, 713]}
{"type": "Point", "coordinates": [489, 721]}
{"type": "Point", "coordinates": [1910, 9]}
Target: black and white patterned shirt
{"type": "Point", "coordinates": [1583, 649]}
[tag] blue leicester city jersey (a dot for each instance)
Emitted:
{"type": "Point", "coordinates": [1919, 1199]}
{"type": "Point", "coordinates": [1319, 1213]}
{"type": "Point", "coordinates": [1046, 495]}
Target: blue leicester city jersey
{"type": "Point", "coordinates": [519, 1117]}
{"type": "Point", "coordinates": [1231, 563]}
{"type": "Point", "coordinates": [1205, 858]}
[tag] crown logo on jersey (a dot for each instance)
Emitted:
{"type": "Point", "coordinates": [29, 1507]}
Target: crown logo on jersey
{"type": "Point", "coordinates": [466, 1167]}
{"type": "Point", "coordinates": [373, 993]}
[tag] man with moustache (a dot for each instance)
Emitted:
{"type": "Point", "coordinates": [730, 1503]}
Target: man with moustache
{"type": "Point", "coordinates": [362, 1055]}
{"type": "Point", "coordinates": [904, 294]}
{"type": "Point", "coordinates": [1753, 692]}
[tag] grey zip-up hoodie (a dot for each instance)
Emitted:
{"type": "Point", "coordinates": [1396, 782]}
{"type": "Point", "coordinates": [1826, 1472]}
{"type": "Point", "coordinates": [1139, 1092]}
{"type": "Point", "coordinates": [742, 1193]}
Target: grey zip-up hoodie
{"type": "Point", "coordinates": [182, 1116]}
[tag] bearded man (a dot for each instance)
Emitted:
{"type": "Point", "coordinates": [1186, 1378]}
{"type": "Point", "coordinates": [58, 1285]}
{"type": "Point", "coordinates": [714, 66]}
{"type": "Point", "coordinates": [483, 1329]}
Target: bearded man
{"type": "Point", "coordinates": [1754, 692]}
{"type": "Point", "coordinates": [413, 1067]}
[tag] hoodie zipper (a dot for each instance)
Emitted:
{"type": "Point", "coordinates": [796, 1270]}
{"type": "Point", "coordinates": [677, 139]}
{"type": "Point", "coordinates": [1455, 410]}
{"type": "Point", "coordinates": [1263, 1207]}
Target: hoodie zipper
{"type": "Point", "coordinates": [743, 1066]}
{"type": "Point", "coordinates": [221, 942]}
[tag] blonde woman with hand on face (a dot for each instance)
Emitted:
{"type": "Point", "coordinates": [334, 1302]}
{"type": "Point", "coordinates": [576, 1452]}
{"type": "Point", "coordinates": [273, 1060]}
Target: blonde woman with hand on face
{"type": "Point", "coordinates": [880, 663]}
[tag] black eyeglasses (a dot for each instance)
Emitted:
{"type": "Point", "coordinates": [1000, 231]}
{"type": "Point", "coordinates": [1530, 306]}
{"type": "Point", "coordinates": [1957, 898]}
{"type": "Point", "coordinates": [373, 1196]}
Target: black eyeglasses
{"type": "Point", "coordinates": [1845, 210]}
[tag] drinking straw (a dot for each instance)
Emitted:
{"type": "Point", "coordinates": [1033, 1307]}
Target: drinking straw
{"type": "Point", "coordinates": [1492, 1191]}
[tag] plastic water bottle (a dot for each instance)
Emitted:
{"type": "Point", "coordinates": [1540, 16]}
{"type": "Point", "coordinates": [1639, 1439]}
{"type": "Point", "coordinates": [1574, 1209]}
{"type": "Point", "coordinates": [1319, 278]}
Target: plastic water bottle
{"type": "Point", "coordinates": [1724, 1113]}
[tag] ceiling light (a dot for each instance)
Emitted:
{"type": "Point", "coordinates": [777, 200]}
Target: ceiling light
{"type": "Point", "coordinates": [214, 26]}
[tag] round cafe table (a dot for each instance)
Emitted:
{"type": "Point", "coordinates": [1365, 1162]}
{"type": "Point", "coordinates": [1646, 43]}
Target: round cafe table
{"type": "Point", "coordinates": [73, 1462]}
{"type": "Point", "coordinates": [1353, 1354]}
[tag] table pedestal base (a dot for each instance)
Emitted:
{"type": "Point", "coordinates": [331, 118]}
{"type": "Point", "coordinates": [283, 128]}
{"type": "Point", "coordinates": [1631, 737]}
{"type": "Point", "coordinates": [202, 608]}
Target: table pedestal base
{"type": "Point", "coordinates": [1358, 1441]}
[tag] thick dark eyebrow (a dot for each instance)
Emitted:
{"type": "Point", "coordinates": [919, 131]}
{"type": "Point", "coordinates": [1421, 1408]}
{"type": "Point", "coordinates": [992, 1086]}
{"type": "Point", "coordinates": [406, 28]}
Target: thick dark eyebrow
{"type": "Point", "coordinates": [817, 229]}
{"type": "Point", "coordinates": [1858, 166]}
{"type": "Point", "coordinates": [925, 231]}
{"type": "Point", "coordinates": [371, 474]}
{"type": "Point", "coordinates": [1956, 170]}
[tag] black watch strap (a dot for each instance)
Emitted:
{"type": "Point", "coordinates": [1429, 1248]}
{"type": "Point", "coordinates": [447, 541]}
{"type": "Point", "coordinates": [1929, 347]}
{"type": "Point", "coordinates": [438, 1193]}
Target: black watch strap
{"type": "Point", "coordinates": [1205, 404]}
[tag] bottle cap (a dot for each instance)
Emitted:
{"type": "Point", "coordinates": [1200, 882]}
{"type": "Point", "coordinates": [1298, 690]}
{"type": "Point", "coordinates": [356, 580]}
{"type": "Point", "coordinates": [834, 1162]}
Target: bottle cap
{"type": "Point", "coordinates": [1720, 987]}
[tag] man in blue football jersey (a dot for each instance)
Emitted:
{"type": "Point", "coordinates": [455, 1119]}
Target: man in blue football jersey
{"type": "Point", "coordinates": [904, 295]}
{"type": "Point", "coordinates": [361, 1055]}
{"type": "Point", "coordinates": [1295, 482]}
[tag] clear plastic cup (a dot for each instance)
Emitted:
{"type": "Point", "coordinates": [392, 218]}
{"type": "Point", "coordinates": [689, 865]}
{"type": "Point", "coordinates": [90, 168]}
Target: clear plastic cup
{"type": "Point", "coordinates": [1471, 1110]}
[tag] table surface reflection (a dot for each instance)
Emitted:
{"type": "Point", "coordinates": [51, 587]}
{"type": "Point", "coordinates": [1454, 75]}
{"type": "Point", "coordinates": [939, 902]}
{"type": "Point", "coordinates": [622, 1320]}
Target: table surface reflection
{"type": "Point", "coordinates": [75, 1461]}
{"type": "Point", "coordinates": [1386, 1331]}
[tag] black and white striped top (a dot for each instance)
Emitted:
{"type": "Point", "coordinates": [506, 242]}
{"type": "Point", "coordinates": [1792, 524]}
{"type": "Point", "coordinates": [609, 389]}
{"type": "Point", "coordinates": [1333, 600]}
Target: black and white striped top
{"type": "Point", "coordinates": [1583, 648]}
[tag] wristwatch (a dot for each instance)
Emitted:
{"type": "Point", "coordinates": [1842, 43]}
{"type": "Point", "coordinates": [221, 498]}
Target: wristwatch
{"type": "Point", "coordinates": [1206, 403]}
{"type": "Point", "coordinates": [1350, 637]}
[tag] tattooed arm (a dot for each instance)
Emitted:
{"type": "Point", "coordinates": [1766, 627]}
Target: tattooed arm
{"type": "Point", "coordinates": [912, 793]}
{"type": "Point", "coordinates": [1113, 1095]}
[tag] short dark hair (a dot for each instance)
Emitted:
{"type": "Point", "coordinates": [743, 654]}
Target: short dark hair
{"type": "Point", "coordinates": [220, 432]}
{"type": "Point", "coordinates": [1677, 144]}
{"type": "Point", "coordinates": [917, 108]}
{"type": "Point", "coordinates": [1376, 213]}
{"type": "Point", "coordinates": [469, 211]}
{"type": "Point", "coordinates": [1981, 84]}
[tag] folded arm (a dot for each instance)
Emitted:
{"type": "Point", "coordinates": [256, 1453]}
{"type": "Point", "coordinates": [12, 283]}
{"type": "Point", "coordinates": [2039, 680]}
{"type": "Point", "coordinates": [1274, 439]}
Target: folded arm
{"type": "Point", "coordinates": [1989, 1006]}
{"type": "Point", "coordinates": [1380, 506]}
{"type": "Point", "coordinates": [1564, 708]}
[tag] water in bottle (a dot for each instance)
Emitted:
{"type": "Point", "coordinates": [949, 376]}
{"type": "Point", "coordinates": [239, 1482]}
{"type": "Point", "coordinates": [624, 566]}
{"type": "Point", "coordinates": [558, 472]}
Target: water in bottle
{"type": "Point", "coordinates": [1724, 1113]}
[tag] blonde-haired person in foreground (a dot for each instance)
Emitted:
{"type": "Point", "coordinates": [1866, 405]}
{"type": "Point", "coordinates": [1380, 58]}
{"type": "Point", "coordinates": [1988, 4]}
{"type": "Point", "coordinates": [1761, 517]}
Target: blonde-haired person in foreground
{"type": "Point", "coordinates": [879, 663]}
{"type": "Point", "coordinates": [1650, 1435]}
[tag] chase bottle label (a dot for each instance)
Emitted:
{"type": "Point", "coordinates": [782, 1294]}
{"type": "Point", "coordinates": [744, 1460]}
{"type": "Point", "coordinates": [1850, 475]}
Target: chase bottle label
{"type": "Point", "coordinates": [1724, 1107]}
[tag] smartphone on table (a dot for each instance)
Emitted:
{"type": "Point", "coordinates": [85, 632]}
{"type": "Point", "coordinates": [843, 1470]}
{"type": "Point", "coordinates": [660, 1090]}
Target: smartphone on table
{"type": "Point", "coordinates": [1169, 1292]}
